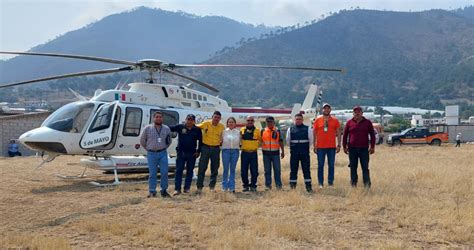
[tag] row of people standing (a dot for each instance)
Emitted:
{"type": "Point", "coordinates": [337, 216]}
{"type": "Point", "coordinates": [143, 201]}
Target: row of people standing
{"type": "Point", "coordinates": [244, 142]}
{"type": "Point", "coordinates": [210, 137]}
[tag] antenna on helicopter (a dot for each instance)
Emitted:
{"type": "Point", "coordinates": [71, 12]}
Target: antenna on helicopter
{"type": "Point", "coordinates": [118, 85]}
{"type": "Point", "coordinates": [150, 65]}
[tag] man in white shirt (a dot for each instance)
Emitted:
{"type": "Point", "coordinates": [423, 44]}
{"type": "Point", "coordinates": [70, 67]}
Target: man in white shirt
{"type": "Point", "coordinates": [458, 140]}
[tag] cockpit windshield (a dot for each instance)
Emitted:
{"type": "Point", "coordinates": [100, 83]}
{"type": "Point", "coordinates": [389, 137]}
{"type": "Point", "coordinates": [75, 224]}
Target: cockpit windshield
{"type": "Point", "coordinates": [70, 118]}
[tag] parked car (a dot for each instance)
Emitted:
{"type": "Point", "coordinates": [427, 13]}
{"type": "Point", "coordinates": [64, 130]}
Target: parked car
{"type": "Point", "coordinates": [419, 135]}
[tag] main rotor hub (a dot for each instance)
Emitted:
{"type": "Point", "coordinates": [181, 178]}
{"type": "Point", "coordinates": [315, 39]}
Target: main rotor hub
{"type": "Point", "coordinates": [151, 65]}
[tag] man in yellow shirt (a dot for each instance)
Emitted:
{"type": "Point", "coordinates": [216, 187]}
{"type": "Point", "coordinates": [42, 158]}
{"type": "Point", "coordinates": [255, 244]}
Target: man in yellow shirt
{"type": "Point", "coordinates": [250, 139]}
{"type": "Point", "coordinates": [211, 142]}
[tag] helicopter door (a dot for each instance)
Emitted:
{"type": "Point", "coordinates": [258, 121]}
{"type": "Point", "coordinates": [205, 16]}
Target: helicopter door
{"type": "Point", "coordinates": [101, 129]}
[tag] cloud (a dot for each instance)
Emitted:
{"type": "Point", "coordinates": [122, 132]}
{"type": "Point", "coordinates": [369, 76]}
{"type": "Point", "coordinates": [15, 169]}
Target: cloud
{"type": "Point", "coordinates": [55, 17]}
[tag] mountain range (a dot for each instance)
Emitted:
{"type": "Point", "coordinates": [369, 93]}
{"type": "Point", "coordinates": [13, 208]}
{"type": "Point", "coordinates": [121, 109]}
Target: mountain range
{"type": "Point", "coordinates": [423, 59]}
{"type": "Point", "coordinates": [404, 58]}
{"type": "Point", "coordinates": [140, 33]}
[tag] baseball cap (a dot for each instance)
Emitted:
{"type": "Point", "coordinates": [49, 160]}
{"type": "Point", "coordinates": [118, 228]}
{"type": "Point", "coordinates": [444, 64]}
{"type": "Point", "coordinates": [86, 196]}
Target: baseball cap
{"type": "Point", "coordinates": [356, 108]}
{"type": "Point", "coordinates": [191, 116]}
{"type": "Point", "coordinates": [326, 104]}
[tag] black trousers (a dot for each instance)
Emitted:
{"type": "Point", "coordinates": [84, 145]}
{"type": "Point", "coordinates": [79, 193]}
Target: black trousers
{"type": "Point", "coordinates": [186, 161]}
{"type": "Point", "coordinates": [458, 143]}
{"type": "Point", "coordinates": [295, 159]}
{"type": "Point", "coordinates": [249, 162]}
{"type": "Point", "coordinates": [212, 154]}
{"type": "Point", "coordinates": [362, 155]}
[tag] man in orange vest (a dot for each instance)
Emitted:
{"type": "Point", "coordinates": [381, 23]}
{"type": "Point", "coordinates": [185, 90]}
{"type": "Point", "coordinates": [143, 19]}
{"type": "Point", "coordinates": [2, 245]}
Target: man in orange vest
{"type": "Point", "coordinates": [272, 142]}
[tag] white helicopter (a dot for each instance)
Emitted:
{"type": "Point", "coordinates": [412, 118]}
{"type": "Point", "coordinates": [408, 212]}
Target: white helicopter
{"type": "Point", "coordinates": [107, 127]}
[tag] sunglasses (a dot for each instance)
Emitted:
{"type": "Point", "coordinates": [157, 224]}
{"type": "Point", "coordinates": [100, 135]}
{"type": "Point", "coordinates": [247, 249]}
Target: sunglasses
{"type": "Point", "coordinates": [250, 120]}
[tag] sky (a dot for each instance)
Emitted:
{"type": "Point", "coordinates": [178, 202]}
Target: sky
{"type": "Point", "coordinates": [27, 23]}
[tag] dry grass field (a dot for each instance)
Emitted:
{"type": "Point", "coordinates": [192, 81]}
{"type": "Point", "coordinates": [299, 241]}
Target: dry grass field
{"type": "Point", "coordinates": [420, 197]}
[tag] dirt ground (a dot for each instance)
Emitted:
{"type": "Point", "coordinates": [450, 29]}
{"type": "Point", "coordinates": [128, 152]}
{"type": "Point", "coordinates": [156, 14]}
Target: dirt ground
{"type": "Point", "coordinates": [421, 197]}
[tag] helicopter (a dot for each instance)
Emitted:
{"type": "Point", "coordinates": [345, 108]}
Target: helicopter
{"type": "Point", "coordinates": [110, 123]}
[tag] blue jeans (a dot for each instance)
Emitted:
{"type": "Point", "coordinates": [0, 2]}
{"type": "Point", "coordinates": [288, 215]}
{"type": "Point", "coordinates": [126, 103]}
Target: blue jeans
{"type": "Point", "coordinates": [331, 154]}
{"type": "Point", "coordinates": [229, 160]}
{"type": "Point", "coordinates": [188, 160]}
{"type": "Point", "coordinates": [269, 161]}
{"type": "Point", "coordinates": [154, 160]}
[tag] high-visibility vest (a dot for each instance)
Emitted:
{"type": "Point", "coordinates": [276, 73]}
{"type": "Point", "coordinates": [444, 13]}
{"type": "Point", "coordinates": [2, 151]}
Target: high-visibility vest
{"type": "Point", "coordinates": [271, 139]}
{"type": "Point", "coordinates": [250, 138]}
{"type": "Point", "coordinates": [299, 139]}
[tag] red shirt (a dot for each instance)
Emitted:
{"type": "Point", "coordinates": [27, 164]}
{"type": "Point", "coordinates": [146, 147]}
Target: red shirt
{"type": "Point", "coordinates": [326, 139]}
{"type": "Point", "coordinates": [358, 133]}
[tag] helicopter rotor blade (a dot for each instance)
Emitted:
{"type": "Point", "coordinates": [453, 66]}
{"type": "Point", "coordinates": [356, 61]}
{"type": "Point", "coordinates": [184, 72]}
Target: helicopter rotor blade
{"type": "Point", "coordinates": [85, 73]}
{"type": "Point", "coordinates": [205, 85]}
{"type": "Point", "coordinates": [251, 66]}
{"type": "Point", "coordinates": [89, 58]}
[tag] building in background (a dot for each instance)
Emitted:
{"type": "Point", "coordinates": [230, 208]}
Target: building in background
{"type": "Point", "coordinates": [12, 126]}
{"type": "Point", "coordinates": [452, 123]}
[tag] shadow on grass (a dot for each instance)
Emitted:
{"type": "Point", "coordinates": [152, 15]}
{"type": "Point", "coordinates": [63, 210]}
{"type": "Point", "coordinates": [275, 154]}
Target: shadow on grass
{"type": "Point", "coordinates": [77, 186]}
{"type": "Point", "coordinates": [98, 210]}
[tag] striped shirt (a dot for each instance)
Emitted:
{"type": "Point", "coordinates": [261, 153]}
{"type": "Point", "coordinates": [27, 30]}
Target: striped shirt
{"type": "Point", "coordinates": [154, 138]}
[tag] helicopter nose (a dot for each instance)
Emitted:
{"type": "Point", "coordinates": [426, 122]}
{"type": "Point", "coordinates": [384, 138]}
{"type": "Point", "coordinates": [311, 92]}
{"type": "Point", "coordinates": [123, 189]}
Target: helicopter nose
{"type": "Point", "coordinates": [42, 139]}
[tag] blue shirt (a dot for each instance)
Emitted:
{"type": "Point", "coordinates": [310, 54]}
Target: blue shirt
{"type": "Point", "coordinates": [187, 138]}
{"type": "Point", "coordinates": [13, 147]}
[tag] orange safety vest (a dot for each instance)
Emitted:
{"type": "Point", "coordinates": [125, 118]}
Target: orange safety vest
{"type": "Point", "coordinates": [271, 139]}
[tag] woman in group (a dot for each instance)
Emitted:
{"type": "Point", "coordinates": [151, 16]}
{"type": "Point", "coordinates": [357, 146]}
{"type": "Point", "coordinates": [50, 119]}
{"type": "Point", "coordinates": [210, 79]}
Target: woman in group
{"type": "Point", "coordinates": [230, 154]}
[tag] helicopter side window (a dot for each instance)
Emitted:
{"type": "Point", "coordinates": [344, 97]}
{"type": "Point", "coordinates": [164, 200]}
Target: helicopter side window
{"type": "Point", "coordinates": [81, 118]}
{"type": "Point", "coordinates": [205, 98]}
{"type": "Point", "coordinates": [189, 95]}
{"type": "Point", "coordinates": [133, 122]}
{"type": "Point", "coordinates": [170, 118]}
{"type": "Point", "coordinates": [102, 119]}
{"type": "Point", "coordinates": [184, 94]}
{"type": "Point", "coordinates": [194, 97]}
{"type": "Point", "coordinates": [200, 97]}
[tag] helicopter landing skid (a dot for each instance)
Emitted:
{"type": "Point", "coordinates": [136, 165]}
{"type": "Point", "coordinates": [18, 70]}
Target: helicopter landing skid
{"type": "Point", "coordinates": [72, 177]}
{"type": "Point", "coordinates": [116, 181]}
